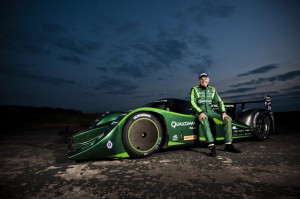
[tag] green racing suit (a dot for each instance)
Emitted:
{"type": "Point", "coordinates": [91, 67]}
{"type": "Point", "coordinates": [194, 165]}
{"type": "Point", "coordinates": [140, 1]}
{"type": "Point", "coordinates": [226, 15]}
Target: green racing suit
{"type": "Point", "coordinates": [202, 99]}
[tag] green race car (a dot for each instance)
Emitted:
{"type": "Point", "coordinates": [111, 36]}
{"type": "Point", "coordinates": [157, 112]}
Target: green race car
{"type": "Point", "coordinates": [162, 124]}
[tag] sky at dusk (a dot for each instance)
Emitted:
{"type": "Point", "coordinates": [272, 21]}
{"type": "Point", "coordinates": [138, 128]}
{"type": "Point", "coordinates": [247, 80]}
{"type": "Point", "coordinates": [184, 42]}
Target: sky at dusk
{"type": "Point", "coordinates": [101, 55]}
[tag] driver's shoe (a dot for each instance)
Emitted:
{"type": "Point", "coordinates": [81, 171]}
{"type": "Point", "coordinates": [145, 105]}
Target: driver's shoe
{"type": "Point", "coordinates": [212, 152]}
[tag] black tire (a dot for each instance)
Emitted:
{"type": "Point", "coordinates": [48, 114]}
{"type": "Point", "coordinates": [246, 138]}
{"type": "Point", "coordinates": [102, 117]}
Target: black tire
{"type": "Point", "coordinates": [262, 125]}
{"type": "Point", "coordinates": [142, 135]}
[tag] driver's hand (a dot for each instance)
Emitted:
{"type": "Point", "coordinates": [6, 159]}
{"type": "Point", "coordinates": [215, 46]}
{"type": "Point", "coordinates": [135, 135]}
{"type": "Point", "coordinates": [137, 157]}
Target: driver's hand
{"type": "Point", "coordinates": [202, 116]}
{"type": "Point", "coordinates": [224, 116]}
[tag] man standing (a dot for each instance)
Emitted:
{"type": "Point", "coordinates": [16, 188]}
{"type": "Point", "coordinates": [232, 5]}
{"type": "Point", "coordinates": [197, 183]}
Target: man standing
{"type": "Point", "coordinates": [202, 97]}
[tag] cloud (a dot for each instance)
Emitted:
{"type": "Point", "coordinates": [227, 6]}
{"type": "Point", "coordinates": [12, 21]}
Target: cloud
{"type": "Point", "coordinates": [144, 58]}
{"type": "Point", "coordinates": [79, 47]}
{"type": "Point", "coordinates": [72, 59]}
{"type": "Point", "coordinates": [207, 9]}
{"type": "Point", "coordinates": [115, 86]}
{"type": "Point", "coordinates": [239, 90]}
{"type": "Point", "coordinates": [164, 52]}
{"type": "Point", "coordinates": [200, 14]}
{"type": "Point", "coordinates": [129, 26]}
{"type": "Point", "coordinates": [88, 94]}
{"type": "Point", "coordinates": [49, 79]}
{"type": "Point", "coordinates": [200, 40]}
{"type": "Point", "coordinates": [169, 48]}
{"type": "Point", "coordinates": [287, 76]}
{"type": "Point", "coordinates": [34, 48]}
{"type": "Point", "coordinates": [107, 20]}
{"type": "Point", "coordinates": [14, 39]}
{"type": "Point", "coordinates": [250, 96]}
{"type": "Point", "coordinates": [263, 69]}
{"type": "Point", "coordinates": [286, 97]}
{"type": "Point", "coordinates": [21, 71]}
{"type": "Point", "coordinates": [54, 28]}
{"type": "Point", "coordinates": [294, 88]}
{"type": "Point", "coordinates": [284, 77]}
{"type": "Point", "coordinates": [203, 64]}
{"type": "Point", "coordinates": [130, 69]}
{"type": "Point", "coordinates": [61, 37]}
{"type": "Point", "coordinates": [102, 69]}
{"type": "Point", "coordinates": [281, 100]}
{"type": "Point", "coordinates": [136, 66]}
{"type": "Point", "coordinates": [136, 69]}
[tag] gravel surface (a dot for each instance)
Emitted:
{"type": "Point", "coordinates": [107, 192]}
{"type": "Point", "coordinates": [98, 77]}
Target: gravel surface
{"type": "Point", "coordinates": [34, 165]}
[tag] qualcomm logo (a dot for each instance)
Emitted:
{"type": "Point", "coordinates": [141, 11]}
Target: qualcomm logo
{"type": "Point", "coordinates": [175, 124]}
{"type": "Point", "coordinates": [204, 101]}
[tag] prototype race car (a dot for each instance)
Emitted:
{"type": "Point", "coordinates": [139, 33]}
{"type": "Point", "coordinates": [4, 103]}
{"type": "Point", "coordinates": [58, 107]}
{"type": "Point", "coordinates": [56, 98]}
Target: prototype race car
{"type": "Point", "coordinates": [162, 124]}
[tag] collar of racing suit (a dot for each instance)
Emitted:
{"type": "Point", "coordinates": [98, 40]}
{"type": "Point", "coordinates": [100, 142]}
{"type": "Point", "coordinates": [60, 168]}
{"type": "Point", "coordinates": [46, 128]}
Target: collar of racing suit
{"type": "Point", "coordinates": [203, 87]}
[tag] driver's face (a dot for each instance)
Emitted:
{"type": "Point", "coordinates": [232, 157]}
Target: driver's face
{"type": "Point", "coordinates": [204, 81]}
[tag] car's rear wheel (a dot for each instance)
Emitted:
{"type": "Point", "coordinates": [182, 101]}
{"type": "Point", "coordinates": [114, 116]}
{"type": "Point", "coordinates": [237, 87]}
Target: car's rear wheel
{"type": "Point", "coordinates": [142, 135]}
{"type": "Point", "coordinates": [262, 125]}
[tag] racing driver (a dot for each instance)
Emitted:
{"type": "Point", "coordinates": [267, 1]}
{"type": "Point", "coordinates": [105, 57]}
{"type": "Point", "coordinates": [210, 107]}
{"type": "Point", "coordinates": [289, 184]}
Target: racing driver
{"type": "Point", "coordinates": [202, 98]}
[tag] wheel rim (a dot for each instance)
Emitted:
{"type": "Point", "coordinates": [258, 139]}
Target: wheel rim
{"type": "Point", "coordinates": [143, 135]}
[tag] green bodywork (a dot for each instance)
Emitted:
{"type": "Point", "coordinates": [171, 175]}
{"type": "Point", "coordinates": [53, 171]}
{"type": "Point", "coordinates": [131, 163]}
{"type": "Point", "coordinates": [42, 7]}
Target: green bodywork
{"type": "Point", "coordinates": [104, 140]}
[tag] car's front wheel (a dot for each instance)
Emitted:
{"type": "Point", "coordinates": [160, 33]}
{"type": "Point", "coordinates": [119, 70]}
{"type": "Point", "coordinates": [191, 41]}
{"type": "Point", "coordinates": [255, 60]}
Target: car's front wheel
{"type": "Point", "coordinates": [262, 125]}
{"type": "Point", "coordinates": [142, 135]}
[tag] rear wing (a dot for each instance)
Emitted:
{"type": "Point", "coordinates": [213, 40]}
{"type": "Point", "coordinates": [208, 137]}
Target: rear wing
{"type": "Point", "coordinates": [267, 102]}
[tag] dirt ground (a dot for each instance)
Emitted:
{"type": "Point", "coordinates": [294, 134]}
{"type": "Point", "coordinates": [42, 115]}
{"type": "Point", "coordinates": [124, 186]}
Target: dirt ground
{"type": "Point", "coordinates": [34, 165]}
